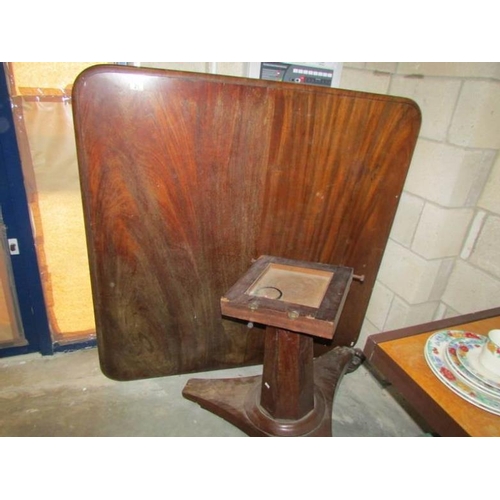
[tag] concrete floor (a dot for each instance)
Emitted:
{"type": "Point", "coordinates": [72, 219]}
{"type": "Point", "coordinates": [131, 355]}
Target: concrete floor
{"type": "Point", "coordinates": [67, 395]}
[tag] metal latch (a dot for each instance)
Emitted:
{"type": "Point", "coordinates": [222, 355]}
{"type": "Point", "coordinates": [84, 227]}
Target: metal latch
{"type": "Point", "coordinates": [13, 246]}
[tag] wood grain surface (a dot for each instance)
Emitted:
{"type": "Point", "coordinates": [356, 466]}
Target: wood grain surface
{"type": "Point", "coordinates": [188, 177]}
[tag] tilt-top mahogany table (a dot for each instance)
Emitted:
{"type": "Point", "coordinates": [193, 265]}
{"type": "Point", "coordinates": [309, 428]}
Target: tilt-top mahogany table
{"type": "Point", "coordinates": [188, 178]}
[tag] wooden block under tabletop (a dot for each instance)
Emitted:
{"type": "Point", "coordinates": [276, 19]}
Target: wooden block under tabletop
{"type": "Point", "coordinates": [311, 295]}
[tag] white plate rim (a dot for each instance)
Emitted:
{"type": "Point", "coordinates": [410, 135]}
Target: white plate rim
{"type": "Point", "coordinates": [461, 370]}
{"type": "Point", "coordinates": [437, 359]}
{"type": "Point", "coordinates": [468, 362]}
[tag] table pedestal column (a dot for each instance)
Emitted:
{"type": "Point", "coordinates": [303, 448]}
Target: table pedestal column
{"type": "Point", "coordinates": [297, 301]}
{"type": "Point", "coordinates": [287, 388]}
{"type": "Point", "coordinates": [293, 397]}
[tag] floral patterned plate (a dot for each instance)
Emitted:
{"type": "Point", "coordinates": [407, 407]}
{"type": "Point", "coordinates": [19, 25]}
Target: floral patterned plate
{"type": "Point", "coordinates": [435, 349]}
{"type": "Point", "coordinates": [452, 354]}
{"type": "Point", "coordinates": [468, 355]}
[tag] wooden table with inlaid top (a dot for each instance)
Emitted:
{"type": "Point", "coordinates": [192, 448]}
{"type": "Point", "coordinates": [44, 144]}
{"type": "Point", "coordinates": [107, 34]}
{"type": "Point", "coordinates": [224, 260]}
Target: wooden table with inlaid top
{"type": "Point", "coordinates": [398, 356]}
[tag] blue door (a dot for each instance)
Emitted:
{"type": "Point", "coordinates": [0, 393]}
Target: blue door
{"type": "Point", "coordinates": [23, 318]}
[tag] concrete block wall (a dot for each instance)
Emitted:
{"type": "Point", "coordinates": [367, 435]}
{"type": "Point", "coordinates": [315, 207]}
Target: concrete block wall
{"type": "Point", "coordinates": [443, 255]}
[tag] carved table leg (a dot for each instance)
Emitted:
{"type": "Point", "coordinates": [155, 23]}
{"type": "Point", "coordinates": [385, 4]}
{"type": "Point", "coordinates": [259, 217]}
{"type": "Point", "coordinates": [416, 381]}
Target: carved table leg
{"type": "Point", "coordinates": [293, 397]}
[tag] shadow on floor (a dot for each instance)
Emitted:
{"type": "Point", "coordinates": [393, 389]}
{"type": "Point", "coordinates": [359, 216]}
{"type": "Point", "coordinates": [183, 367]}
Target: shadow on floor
{"type": "Point", "coordinates": [67, 395]}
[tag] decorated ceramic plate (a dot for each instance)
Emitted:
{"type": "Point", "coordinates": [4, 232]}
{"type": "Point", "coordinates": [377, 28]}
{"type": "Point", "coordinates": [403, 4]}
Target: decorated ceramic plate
{"type": "Point", "coordinates": [456, 346]}
{"type": "Point", "coordinates": [435, 349]}
{"type": "Point", "coordinates": [468, 356]}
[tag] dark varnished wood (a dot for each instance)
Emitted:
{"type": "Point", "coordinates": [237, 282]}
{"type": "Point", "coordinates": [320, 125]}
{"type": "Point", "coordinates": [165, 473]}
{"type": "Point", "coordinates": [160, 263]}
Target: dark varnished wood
{"type": "Point", "coordinates": [287, 390]}
{"type": "Point", "coordinates": [237, 400]}
{"type": "Point", "coordinates": [317, 321]}
{"type": "Point", "coordinates": [187, 177]}
{"type": "Point", "coordinates": [289, 402]}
